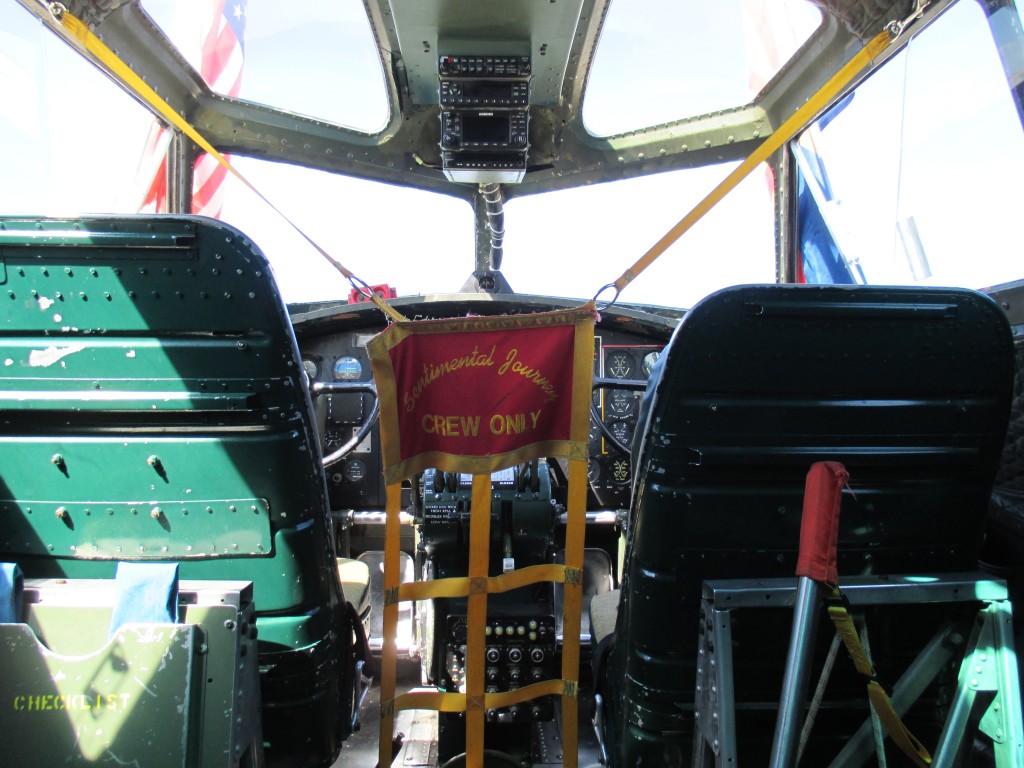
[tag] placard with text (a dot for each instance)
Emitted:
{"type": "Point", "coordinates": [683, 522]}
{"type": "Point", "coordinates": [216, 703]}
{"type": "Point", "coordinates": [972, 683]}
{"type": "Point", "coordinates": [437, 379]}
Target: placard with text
{"type": "Point", "coordinates": [477, 394]}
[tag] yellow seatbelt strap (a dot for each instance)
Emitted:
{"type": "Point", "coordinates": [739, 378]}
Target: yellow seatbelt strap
{"type": "Point", "coordinates": [780, 136]}
{"type": "Point", "coordinates": [83, 38]}
{"type": "Point", "coordinates": [877, 695]}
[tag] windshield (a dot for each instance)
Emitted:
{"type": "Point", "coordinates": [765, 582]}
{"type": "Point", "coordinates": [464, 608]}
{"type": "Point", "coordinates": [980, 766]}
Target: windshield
{"type": "Point", "coordinates": [599, 231]}
{"type": "Point", "coordinates": [280, 44]}
{"type": "Point", "coordinates": [931, 201]}
{"type": "Point", "coordinates": [912, 179]}
{"type": "Point", "coordinates": [698, 58]}
{"type": "Point", "coordinates": [417, 242]}
{"type": "Point", "coordinates": [421, 243]}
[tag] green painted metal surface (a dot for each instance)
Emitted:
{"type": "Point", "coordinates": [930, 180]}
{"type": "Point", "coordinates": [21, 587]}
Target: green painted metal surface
{"type": "Point", "coordinates": [163, 530]}
{"type": "Point", "coordinates": [129, 700]}
{"type": "Point", "coordinates": [153, 407]}
{"type": "Point", "coordinates": [216, 717]}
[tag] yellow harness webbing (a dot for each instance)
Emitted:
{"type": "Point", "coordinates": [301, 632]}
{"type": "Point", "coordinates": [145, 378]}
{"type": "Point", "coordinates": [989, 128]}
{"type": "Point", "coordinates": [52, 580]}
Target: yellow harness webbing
{"type": "Point", "coordinates": [460, 586]}
{"type": "Point", "coordinates": [880, 702]}
{"type": "Point", "coordinates": [389, 650]}
{"type": "Point", "coordinates": [471, 696]}
{"type": "Point", "coordinates": [773, 142]}
{"type": "Point", "coordinates": [84, 39]}
{"type": "Point", "coordinates": [476, 586]}
{"type": "Point", "coordinates": [476, 618]}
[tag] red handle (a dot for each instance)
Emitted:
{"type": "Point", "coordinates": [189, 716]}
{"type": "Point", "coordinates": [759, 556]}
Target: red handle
{"type": "Point", "coordinates": [819, 527]}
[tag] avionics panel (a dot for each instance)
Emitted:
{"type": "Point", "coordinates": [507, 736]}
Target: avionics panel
{"type": "Point", "coordinates": [485, 117]}
{"type": "Point", "coordinates": [500, 67]}
{"type": "Point", "coordinates": [485, 93]}
{"type": "Point", "coordinates": [489, 130]}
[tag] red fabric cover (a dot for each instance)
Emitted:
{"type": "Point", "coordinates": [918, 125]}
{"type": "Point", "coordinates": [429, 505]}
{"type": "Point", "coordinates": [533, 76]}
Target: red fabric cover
{"type": "Point", "coordinates": [819, 527]}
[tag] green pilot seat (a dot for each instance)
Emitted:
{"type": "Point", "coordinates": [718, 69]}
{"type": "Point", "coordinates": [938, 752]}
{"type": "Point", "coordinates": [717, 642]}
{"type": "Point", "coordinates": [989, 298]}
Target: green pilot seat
{"type": "Point", "coordinates": [908, 388]}
{"type": "Point", "coordinates": [154, 409]}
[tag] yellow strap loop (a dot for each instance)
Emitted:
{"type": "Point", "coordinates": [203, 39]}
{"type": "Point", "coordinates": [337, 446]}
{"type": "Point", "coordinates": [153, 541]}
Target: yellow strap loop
{"type": "Point", "coordinates": [784, 133]}
{"type": "Point", "coordinates": [880, 703]}
{"type": "Point", "coordinates": [85, 40]}
{"type": "Point", "coordinates": [895, 727]}
{"type": "Point", "coordinates": [848, 633]}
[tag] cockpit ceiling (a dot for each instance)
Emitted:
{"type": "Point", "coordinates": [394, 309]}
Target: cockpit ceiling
{"type": "Point", "coordinates": [560, 36]}
{"type": "Point", "coordinates": [563, 38]}
{"type": "Point", "coordinates": [866, 18]}
{"type": "Point", "coordinates": [863, 17]}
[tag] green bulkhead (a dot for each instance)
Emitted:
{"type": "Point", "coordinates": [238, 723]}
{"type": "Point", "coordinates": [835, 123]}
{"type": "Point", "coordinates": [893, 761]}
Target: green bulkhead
{"type": "Point", "coordinates": [154, 409]}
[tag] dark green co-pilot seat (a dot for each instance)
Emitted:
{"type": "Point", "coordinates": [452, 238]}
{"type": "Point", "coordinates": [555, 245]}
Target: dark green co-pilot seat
{"type": "Point", "coordinates": [909, 388]}
{"type": "Point", "coordinates": [154, 410]}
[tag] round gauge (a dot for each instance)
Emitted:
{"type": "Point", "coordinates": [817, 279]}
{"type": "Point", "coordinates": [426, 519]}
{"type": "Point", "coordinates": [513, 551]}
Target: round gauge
{"type": "Point", "coordinates": [620, 470]}
{"type": "Point", "coordinates": [619, 365]}
{"type": "Point", "coordinates": [621, 431]}
{"type": "Point", "coordinates": [621, 401]}
{"type": "Point", "coordinates": [593, 471]}
{"type": "Point", "coordinates": [311, 368]}
{"type": "Point", "coordinates": [355, 471]}
{"type": "Point", "coordinates": [649, 360]}
{"type": "Point", "coordinates": [348, 368]}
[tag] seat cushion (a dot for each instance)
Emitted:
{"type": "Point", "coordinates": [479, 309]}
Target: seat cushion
{"type": "Point", "coordinates": [603, 609]}
{"type": "Point", "coordinates": [355, 583]}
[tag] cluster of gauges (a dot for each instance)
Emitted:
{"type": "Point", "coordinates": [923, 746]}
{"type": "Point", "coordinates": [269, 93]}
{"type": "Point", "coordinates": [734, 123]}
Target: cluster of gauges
{"type": "Point", "coordinates": [620, 408]}
{"type": "Point", "coordinates": [346, 368]}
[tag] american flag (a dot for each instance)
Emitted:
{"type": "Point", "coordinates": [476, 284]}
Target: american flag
{"type": "Point", "coordinates": [222, 54]}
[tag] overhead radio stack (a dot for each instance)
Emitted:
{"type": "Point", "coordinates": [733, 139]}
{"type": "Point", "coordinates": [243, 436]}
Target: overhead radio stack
{"type": "Point", "coordinates": [485, 117]}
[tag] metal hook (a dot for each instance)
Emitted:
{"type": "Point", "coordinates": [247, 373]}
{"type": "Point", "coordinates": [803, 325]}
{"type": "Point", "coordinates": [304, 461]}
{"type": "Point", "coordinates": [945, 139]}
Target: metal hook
{"type": "Point", "coordinates": [361, 287]}
{"type": "Point", "coordinates": [602, 290]}
{"type": "Point", "coordinates": [897, 28]}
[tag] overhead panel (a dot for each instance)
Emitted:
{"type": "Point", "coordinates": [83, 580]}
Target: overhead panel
{"type": "Point", "coordinates": [534, 28]}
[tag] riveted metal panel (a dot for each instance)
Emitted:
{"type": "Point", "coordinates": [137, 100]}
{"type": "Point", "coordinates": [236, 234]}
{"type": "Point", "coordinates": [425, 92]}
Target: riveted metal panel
{"type": "Point", "coordinates": [148, 363]}
{"type": "Point", "coordinates": [166, 530]}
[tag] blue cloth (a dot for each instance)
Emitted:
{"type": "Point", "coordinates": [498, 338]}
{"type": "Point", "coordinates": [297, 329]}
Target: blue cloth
{"type": "Point", "coordinates": [145, 593]}
{"type": "Point", "coordinates": [823, 262]}
{"type": "Point", "coordinates": [12, 584]}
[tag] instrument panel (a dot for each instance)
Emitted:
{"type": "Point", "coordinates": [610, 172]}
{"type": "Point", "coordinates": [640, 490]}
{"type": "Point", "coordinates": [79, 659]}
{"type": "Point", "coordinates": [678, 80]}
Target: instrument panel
{"type": "Point", "coordinates": [355, 481]}
{"type": "Point", "coordinates": [610, 469]}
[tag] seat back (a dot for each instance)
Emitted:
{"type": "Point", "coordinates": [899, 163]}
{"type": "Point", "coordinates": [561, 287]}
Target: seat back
{"type": "Point", "coordinates": [909, 388]}
{"type": "Point", "coordinates": [154, 409]}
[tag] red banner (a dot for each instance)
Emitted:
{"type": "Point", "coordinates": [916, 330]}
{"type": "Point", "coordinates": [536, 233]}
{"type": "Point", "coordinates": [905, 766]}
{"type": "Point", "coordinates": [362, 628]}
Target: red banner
{"type": "Point", "coordinates": [481, 393]}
